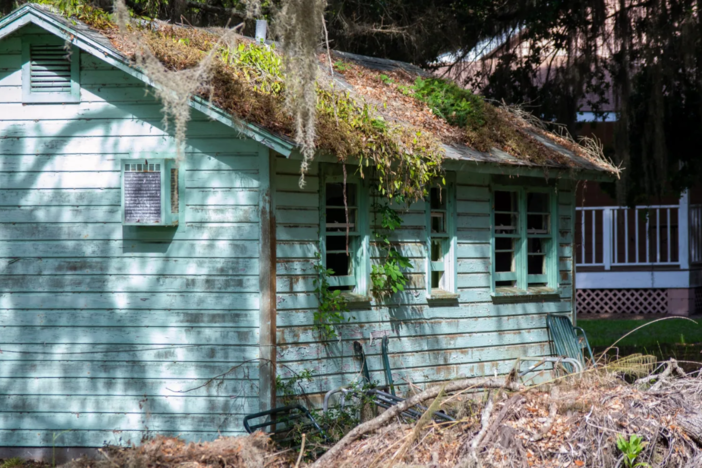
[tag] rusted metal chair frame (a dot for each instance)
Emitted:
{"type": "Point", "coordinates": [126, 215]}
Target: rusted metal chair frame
{"type": "Point", "coordinates": [379, 397]}
{"type": "Point", "coordinates": [283, 422]}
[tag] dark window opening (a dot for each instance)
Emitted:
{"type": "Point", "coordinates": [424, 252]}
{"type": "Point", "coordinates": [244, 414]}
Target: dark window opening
{"type": "Point", "coordinates": [336, 212]}
{"type": "Point", "coordinates": [339, 217]}
{"type": "Point", "coordinates": [504, 262]}
{"type": "Point", "coordinates": [505, 201]}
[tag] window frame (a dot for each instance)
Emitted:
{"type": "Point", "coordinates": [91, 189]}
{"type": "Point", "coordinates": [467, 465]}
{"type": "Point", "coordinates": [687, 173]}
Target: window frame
{"type": "Point", "coordinates": [448, 285]}
{"type": "Point", "coordinates": [360, 257]}
{"type": "Point", "coordinates": [521, 275]}
{"type": "Point", "coordinates": [28, 97]}
{"type": "Point", "coordinates": [168, 217]}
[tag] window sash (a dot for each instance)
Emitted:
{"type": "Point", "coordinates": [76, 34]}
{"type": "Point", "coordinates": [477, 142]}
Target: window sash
{"type": "Point", "coordinates": [359, 261]}
{"type": "Point", "coordinates": [442, 265]}
{"type": "Point", "coordinates": [522, 279]}
{"type": "Point", "coordinates": [342, 281]}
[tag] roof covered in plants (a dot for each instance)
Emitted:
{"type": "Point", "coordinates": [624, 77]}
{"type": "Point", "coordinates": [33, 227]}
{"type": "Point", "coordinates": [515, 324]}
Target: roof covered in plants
{"type": "Point", "coordinates": [367, 108]}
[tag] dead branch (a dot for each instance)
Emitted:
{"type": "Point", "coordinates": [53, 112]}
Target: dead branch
{"type": "Point", "coordinates": [484, 423]}
{"type": "Point", "coordinates": [388, 415]}
{"type": "Point", "coordinates": [670, 367]}
{"type": "Point", "coordinates": [552, 411]}
{"type": "Point", "coordinates": [515, 401]}
{"type": "Point", "coordinates": [691, 424]}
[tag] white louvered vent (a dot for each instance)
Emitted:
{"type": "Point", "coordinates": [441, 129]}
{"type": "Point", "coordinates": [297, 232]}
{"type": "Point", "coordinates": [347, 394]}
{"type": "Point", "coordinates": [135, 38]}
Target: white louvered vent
{"type": "Point", "coordinates": [50, 69]}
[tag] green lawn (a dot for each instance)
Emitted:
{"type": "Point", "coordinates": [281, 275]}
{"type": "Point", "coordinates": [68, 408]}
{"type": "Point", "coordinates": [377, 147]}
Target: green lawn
{"type": "Point", "coordinates": [603, 332]}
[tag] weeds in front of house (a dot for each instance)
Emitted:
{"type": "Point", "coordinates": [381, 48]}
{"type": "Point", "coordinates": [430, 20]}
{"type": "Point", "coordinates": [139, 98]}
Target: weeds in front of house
{"type": "Point", "coordinates": [13, 462]}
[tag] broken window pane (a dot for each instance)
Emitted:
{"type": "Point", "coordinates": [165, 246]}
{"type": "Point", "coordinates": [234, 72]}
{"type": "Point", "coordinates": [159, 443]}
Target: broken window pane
{"type": "Point", "coordinates": [537, 203]}
{"type": "Point", "coordinates": [504, 262]}
{"type": "Point", "coordinates": [335, 194]}
{"type": "Point", "coordinates": [506, 213]}
{"type": "Point", "coordinates": [438, 198]}
{"type": "Point", "coordinates": [505, 201]}
{"type": "Point", "coordinates": [536, 253]}
{"type": "Point", "coordinates": [437, 253]}
{"type": "Point", "coordinates": [537, 224]}
{"type": "Point", "coordinates": [336, 219]}
{"type": "Point", "coordinates": [506, 223]}
{"type": "Point", "coordinates": [336, 212]}
{"type": "Point", "coordinates": [438, 222]}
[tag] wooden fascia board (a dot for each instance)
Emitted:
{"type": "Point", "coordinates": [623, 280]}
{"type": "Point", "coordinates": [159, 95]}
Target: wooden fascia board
{"type": "Point", "coordinates": [528, 171]}
{"type": "Point", "coordinates": [27, 14]}
{"type": "Point", "coordinates": [497, 169]}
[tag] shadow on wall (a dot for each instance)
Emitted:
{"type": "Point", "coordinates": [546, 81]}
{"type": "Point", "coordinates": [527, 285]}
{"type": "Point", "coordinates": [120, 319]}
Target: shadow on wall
{"type": "Point", "coordinates": [114, 332]}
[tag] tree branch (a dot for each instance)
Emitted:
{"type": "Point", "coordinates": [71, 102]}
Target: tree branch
{"type": "Point", "coordinates": [216, 9]}
{"type": "Point", "coordinates": [388, 415]}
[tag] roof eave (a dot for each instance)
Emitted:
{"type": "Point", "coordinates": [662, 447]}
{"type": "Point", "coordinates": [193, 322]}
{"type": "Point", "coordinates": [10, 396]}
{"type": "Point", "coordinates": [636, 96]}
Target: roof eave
{"type": "Point", "coordinates": [30, 14]}
{"type": "Point", "coordinates": [577, 173]}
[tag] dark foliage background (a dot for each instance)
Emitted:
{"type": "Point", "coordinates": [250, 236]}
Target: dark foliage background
{"type": "Point", "coordinates": [638, 58]}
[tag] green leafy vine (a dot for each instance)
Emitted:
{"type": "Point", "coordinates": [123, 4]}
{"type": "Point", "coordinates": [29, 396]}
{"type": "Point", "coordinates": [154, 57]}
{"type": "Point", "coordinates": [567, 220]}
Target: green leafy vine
{"type": "Point", "coordinates": [332, 304]}
{"type": "Point", "coordinates": [388, 277]}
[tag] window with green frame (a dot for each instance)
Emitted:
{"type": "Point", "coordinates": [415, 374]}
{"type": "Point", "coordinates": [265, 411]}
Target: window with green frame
{"type": "Point", "coordinates": [441, 240]}
{"type": "Point", "coordinates": [348, 262]}
{"type": "Point", "coordinates": [524, 248]}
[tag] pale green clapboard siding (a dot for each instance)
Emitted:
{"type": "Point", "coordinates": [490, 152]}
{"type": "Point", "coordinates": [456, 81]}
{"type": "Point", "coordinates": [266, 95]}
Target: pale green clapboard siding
{"type": "Point", "coordinates": [429, 343]}
{"type": "Point", "coordinates": [106, 328]}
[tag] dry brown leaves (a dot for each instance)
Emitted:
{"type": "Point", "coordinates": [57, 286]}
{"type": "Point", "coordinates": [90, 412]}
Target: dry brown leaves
{"type": "Point", "coordinates": [252, 451]}
{"type": "Point", "coordinates": [181, 47]}
{"type": "Point", "coordinates": [589, 415]}
{"type": "Point", "coordinates": [393, 104]}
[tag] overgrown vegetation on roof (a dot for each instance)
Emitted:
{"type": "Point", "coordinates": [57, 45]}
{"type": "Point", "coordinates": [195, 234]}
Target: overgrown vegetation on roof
{"type": "Point", "coordinates": [393, 124]}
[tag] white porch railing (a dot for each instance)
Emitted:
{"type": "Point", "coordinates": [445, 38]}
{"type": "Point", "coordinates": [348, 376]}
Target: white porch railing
{"type": "Point", "coordinates": [645, 235]}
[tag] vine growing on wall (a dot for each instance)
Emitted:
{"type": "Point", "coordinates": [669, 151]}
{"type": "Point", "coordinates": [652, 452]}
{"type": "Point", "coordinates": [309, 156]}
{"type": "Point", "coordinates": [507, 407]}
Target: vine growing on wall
{"type": "Point", "coordinates": [332, 304]}
{"type": "Point", "coordinates": [388, 277]}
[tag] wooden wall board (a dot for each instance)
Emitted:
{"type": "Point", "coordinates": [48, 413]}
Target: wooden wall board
{"type": "Point", "coordinates": [104, 324]}
{"type": "Point", "coordinates": [428, 342]}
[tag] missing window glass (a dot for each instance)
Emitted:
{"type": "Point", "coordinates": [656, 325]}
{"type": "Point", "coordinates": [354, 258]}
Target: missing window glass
{"type": "Point", "coordinates": [504, 262]}
{"type": "Point", "coordinates": [438, 198]}
{"type": "Point", "coordinates": [336, 211]}
{"type": "Point", "coordinates": [505, 201]}
{"type": "Point", "coordinates": [505, 284]}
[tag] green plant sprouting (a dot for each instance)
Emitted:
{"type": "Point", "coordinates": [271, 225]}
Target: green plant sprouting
{"type": "Point", "coordinates": [458, 106]}
{"type": "Point", "coordinates": [286, 389]}
{"type": "Point", "coordinates": [332, 303]}
{"type": "Point", "coordinates": [388, 276]}
{"type": "Point", "coordinates": [631, 449]}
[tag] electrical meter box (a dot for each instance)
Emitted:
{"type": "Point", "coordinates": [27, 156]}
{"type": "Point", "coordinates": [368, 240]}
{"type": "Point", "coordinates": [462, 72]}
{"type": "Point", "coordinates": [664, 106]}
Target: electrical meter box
{"type": "Point", "coordinates": [149, 192]}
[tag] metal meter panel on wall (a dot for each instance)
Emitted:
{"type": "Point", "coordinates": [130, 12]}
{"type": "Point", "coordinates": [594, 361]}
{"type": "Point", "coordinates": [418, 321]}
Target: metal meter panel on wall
{"type": "Point", "coordinates": [149, 192]}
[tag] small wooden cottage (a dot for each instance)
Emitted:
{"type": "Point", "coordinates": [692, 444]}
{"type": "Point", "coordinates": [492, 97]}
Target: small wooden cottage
{"type": "Point", "coordinates": [146, 293]}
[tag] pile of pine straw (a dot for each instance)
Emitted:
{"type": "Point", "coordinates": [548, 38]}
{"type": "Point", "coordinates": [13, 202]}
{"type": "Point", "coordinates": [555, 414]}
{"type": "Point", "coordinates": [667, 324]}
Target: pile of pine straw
{"type": "Point", "coordinates": [255, 450]}
{"type": "Point", "coordinates": [572, 421]}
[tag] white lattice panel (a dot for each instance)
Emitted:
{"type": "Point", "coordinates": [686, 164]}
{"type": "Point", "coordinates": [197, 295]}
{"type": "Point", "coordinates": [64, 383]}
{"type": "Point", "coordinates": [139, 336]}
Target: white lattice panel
{"type": "Point", "coordinates": [622, 301]}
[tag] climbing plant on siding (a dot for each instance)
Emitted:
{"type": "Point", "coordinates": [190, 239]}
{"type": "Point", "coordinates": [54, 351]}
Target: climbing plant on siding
{"type": "Point", "coordinates": [332, 305]}
{"type": "Point", "coordinates": [387, 277]}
